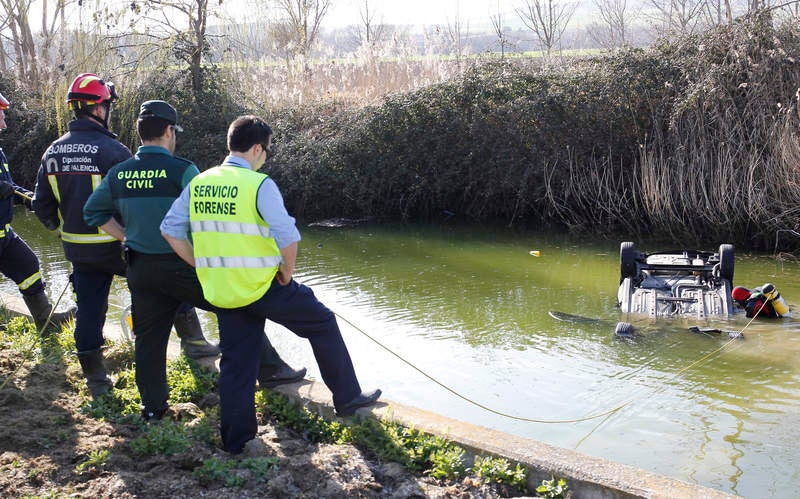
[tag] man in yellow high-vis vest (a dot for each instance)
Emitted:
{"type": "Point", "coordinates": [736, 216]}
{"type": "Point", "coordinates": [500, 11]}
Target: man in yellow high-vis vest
{"type": "Point", "coordinates": [244, 246]}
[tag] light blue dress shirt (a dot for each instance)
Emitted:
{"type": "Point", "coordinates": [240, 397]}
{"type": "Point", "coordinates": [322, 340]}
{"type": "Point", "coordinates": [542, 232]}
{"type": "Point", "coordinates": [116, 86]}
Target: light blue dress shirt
{"type": "Point", "coordinates": [268, 201]}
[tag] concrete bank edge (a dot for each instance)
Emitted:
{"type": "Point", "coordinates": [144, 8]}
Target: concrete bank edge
{"type": "Point", "coordinates": [587, 476]}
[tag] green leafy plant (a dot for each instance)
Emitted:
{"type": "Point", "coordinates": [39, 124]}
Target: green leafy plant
{"type": "Point", "coordinates": [313, 427]}
{"type": "Point", "coordinates": [447, 463]}
{"type": "Point", "coordinates": [188, 381]}
{"type": "Point", "coordinates": [205, 430]}
{"type": "Point", "coordinates": [213, 469]}
{"type": "Point", "coordinates": [234, 473]}
{"type": "Point", "coordinates": [97, 459]}
{"type": "Point", "coordinates": [120, 404]}
{"type": "Point", "coordinates": [164, 437]}
{"type": "Point", "coordinates": [554, 488]}
{"type": "Point", "coordinates": [494, 469]}
{"type": "Point", "coordinates": [259, 466]}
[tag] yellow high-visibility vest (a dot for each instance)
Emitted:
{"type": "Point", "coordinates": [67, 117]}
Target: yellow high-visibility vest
{"type": "Point", "coordinates": [235, 256]}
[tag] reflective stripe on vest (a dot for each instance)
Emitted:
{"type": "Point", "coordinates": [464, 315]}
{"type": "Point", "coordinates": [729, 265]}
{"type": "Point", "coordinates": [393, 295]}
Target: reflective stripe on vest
{"type": "Point", "coordinates": [235, 257]}
{"type": "Point", "coordinates": [230, 228]}
{"type": "Point", "coordinates": [3, 231]}
{"type": "Point", "coordinates": [233, 262]}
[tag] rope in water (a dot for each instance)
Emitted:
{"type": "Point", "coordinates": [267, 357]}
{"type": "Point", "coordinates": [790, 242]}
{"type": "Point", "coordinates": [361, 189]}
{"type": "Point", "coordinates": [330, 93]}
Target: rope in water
{"type": "Point", "coordinates": [675, 375]}
{"type": "Point", "coordinates": [468, 399]}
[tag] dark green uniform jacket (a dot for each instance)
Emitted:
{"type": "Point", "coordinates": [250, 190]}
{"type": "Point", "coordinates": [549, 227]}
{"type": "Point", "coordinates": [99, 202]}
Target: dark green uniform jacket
{"type": "Point", "coordinates": [140, 191]}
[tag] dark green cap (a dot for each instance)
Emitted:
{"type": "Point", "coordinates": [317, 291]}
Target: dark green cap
{"type": "Point", "coordinates": [160, 109]}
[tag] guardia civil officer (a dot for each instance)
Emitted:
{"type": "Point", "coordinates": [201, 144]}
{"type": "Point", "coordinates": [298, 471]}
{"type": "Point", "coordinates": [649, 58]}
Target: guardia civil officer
{"type": "Point", "coordinates": [139, 191]}
{"type": "Point", "coordinates": [71, 168]}
{"type": "Point", "coordinates": [244, 248]}
{"type": "Point", "coordinates": [17, 261]}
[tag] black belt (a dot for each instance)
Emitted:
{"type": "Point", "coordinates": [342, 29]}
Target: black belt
{"type": "Point", "coordinates": [153, 257]}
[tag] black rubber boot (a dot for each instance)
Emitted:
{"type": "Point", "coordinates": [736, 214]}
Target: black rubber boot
{"type": "Point", "coordinates": [274, 371]}
{"type": "Point", "coordinates": [95, 372]}
{"type": "Point", "coordinates": [193, 343]}
{"type": "Point", "coordinates": [40, 308]}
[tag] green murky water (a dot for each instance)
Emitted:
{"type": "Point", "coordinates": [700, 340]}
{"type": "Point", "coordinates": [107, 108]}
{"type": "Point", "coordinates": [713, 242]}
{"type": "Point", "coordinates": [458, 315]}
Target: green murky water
{"type": "Point", "coordinates": [470, 309]}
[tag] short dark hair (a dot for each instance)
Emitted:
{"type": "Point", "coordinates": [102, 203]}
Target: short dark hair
{"type": "Point", "coordinates": [82, 110]}
{"type": "Point", "coordinates": [247, 131]}
{"type": "Point", "coordinates": [151, 128]}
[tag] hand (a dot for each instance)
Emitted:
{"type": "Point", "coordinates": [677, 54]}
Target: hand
{"type": "Point", "coordinates": [283, 277]}
{"type": "Point", "coordinates": [6, 189]}
{"type": "Point", "coordinates": [28, 201]}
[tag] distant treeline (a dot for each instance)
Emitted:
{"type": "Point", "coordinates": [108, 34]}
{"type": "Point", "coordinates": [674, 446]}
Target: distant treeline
{"type": "Point", "coordinates": [695, 140]}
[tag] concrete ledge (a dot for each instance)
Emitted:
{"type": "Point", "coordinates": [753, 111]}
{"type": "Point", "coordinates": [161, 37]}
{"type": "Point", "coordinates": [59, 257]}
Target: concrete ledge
{"type": "Point", "coordinates": [587, 476]}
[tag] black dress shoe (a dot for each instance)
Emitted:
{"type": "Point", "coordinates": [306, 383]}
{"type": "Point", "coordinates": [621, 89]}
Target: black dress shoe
{"type": "Point", "coordinates": [283, 376]}
{"type": "Point", "coordinates": [361, 400]}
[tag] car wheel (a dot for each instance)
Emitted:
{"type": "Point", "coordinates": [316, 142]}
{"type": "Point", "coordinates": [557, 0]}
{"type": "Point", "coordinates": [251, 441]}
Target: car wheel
{"type": "Point", "coordinates": [624, 330]}
{"type": "Point", "coordinates": [627, 260]}
{"type": "Point", "coordinates": [726, 261]}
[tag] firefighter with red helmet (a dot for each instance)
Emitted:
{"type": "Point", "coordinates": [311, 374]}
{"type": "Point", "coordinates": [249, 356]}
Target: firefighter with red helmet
{"type": "Point", "coordinates": [17, 260]}
{"type": "Point", "coordinates": [71, 168]}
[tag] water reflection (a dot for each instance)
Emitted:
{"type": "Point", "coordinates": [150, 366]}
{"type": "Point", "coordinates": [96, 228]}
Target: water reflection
{"type": "Point", "coordinates": [470, 309]}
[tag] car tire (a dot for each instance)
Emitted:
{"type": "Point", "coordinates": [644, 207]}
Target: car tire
{"type": "Point", "coordinates": [623, 330]}
{"type": "Point", "coordinates": [627, 260]}
{"type": "Point", "coordinates": [726, 262]}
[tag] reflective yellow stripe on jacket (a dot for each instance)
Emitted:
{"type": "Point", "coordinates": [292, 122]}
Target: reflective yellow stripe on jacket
{"type": "Point", "coordinates": [95, 238]}
{"type": "Point", "coordinates": [235, 256]}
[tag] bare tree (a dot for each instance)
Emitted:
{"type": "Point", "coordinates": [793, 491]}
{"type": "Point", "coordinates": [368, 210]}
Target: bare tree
{"type": "Point", "coordinates": [547, 19]}
{"type": "Point", "coordinates": [681, 16]}
{"type": "Point", "coordinates": [614, 23]}
{"type": "Point", "coordinates": [498, 26]}
{"type": "Point", "coordinates": [298, 25]}
{"type": "Point", "coordinates": [33, 53]}
{"type": "Point", "coordinates": [164, 21]}
{"type": "Point", "coordinates": [717, 12]}
{"type": "Point", "coordinates": [455, 32]}
{"type": "Point", "coordinates": [371, 32]}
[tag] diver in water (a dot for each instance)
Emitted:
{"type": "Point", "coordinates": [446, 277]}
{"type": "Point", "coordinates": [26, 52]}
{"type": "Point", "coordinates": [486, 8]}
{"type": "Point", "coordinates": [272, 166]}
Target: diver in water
{"type": "Point", "coordinates": [764, 301]}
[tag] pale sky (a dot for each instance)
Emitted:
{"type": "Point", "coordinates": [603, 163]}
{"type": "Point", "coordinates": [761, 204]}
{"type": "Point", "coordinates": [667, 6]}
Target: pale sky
{"type": "Point", "coordinates": [344, 12]}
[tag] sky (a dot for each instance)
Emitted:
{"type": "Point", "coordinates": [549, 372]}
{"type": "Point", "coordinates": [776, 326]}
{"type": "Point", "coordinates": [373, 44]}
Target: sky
{"type": "Point", "coordinates": [474, 12]}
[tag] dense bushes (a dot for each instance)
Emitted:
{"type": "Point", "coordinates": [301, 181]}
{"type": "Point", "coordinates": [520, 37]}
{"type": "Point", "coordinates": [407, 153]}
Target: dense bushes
{"type": "Point", "coordinates": [492, 145]}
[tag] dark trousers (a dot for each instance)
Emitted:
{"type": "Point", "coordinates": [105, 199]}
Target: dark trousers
{"type": "Point", "coordinates": [162, 285]}
{"type": "Point", "coordinates": [91, 288]}
{"type": "Point", "coordinates": [295, 307]}
{"type": "Point", "coordinates": [159, 285]}
{"type": "Point", "coordinates": [19, 263]}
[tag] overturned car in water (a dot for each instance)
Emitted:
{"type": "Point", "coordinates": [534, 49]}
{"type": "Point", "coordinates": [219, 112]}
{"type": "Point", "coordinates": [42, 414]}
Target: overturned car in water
{"type": "Point", "coordinates": [688, 283]}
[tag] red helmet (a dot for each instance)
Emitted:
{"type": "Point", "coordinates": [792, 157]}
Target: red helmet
{"type": "Point", "coordinates": [89, 89]}
{"type": "Point", "coordinates": [4, 103]}
{"type": "Point", "coordinates": [740, 293]}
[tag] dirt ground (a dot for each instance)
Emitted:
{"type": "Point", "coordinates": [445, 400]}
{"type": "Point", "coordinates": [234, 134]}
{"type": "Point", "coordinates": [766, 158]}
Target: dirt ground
{"type": "Point", "coordinates": [44, 438]}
